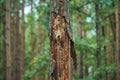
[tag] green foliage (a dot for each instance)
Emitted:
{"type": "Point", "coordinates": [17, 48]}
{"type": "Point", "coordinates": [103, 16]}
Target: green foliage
{"type": "Point", "coordinates": [40, 64]}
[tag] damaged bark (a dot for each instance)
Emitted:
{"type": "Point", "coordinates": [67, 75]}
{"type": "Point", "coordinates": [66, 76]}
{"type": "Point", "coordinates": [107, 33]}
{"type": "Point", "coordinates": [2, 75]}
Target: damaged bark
{"type": "Point", "coordinates": [61, 42]}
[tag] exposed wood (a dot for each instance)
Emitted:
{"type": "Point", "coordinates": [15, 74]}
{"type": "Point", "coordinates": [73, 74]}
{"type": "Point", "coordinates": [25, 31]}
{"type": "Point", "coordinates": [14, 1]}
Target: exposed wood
{"type": "Point", "coordinates": [60, 49]}
{"type": "Point", "coordinates": [61, 43]}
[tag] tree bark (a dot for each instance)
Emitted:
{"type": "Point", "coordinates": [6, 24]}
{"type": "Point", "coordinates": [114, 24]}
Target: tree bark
{"type": "Point", "coordinates": [22, 57]}
{"type": "Point", "coordinates": [7, 42]}
{"type": "Point", "coordinates": [4, 56]}
{"type": "Point", "coordinates": [117, 42]}
{"type": "Point", "coordinates": [60, 41]}
{"type": "Point", "coordinates": [4, 46]}
{"type": "Point", "coordinates": [16, 54]}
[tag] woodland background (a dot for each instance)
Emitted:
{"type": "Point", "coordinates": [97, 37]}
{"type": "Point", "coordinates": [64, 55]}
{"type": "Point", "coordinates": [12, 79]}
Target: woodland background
{"type": "Point", "coordinates": [96, 29]}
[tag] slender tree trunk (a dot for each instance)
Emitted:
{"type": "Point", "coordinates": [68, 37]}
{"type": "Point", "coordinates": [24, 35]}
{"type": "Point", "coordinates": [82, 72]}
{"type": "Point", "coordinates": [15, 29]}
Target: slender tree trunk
{"type": "Point", "coordinates": [4, 46]}
{"type": "Point", "coordinates": [4, 56]}
{"type": "Point", "coordinates": [16, 54]}
{"type": "Point", "coordinates": [40, 45]}
{"type": "Point", "coordinates": [38, 48]}
{"type": "Point", "coordinates": [81, 52]}
{"type": "Point", "coordinates": [117, 43]}
{"type": "Point", "coordinates": [31, 39]}
{"type": "Point", "coordinates": [31, 35]}
{"type": "Point", "coordinates": [108, 47]}
{"type": "Point", "coordinates": [60, 37]}
{"type": "Point", "coordinates": [22, 57]}
{"type": "Point", "coordinates": [98, 52]}
{"type": "Point", "coordinates": [7, 42]}
{"type": "Point", "coordinates": [12, 41]}
{"type": "Point", "coordinates": [113, 28]}
{"type": "Point", "coordinates": [85, 56]}
{"type": "Point", "coordinates": [97, 34]}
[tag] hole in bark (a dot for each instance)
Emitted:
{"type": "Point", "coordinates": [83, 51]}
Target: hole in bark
{"type": "Point", "coordinates": [62, 44]}
{"type": "Point", "coordinates": [58, 36]}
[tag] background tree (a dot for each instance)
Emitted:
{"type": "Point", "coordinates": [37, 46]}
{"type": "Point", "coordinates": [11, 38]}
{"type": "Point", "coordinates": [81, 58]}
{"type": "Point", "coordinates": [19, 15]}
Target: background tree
{"type": "Point", "coordinates": [117, 41]}
{"type": "Point", "coordinates": [17, 50]}
{"type": "Point", "coordinates": [22, 58]}
{"type": "Point", "coordinates": [7, 53]}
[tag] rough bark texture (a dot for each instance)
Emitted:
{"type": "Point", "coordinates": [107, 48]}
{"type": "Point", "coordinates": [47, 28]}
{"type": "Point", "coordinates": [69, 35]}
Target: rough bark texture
{"type": "Point", "coordinates": [61, 42]}
{"type": "Point", "coordinates": [7, 42]}
{"type": "Point", "coordinates": [16, 54]}
{"type": "Point", "coordinates": [60, 49]}
{"type": "Point", "coordinates": [22, 56]}
{"type": "Point", "coordinates": [117, 44]}
{"type": "Point", "coordinates": [4, 51]}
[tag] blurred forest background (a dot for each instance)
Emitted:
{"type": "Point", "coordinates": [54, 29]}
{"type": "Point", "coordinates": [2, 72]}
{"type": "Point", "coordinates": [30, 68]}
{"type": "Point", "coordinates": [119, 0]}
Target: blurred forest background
{"type": "Point", "coordinates": [24, 41]}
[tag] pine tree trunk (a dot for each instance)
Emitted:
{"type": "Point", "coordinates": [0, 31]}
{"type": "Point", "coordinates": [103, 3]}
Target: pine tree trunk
{"type": "Point", "coordinates": [4, 58]}
{"type": "Point", "coordinates": [108, 47]}
{"type": "Point", "coordinates": [7, 42]}
{"type": "Point", "coordinates": [98, 51]}
{"type": "Point", "coordinates": [31, 37]}
{"type": "Point", "coordinates": [22, 57]}
{"type": "Point", "coordinates": [81, 52]}
{"type": "Point", "coordinates": [97, 34]}
{"type": "Point", "coordinates": [4, 49]}
{"type": "Point", "coordinates": [117, 43]}
{"type": "Point", "coordinates": [16, 54]}
{"type": "Point", "coordinates": [59, 41]}
{"type": "Point", "coordinates": [38, 48]}
{"type": "Point", "coordinates": [40, 45]}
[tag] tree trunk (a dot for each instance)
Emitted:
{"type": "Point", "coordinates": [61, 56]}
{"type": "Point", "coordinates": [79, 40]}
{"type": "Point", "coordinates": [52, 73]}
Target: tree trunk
{"type": "Point", "coordinates": [38, 48]}
{"type": "Point", "coordinates": [117, 43]}
{"type": "Point", "coordinates": [4, 46]}
{"type": "Point", "coordinates": [7, 42]}
{"type": "Point", "coordinates": [60, 37]}
{"type": "Point", "coordinates": [40, 45]}
{"type": "Point", "coordinates": [108, 47]}
{"type": "Point", "coordinates": [16, 54]}
{"type": "Point", "coordinates": [81, 52]}
{"type": "Point", "coordinates": [97, 34]}
{"type": "Point", "coordinates": [22, 57]}
{"type": "Point", "coordinates": [98, 52]}
{"type": "Point", "coordinates": [31, 36]}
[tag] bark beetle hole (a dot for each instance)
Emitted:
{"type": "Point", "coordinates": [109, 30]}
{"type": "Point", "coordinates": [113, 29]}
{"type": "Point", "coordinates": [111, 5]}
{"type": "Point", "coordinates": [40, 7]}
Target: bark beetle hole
{"type": "Point", "coordinates": [62, 44]}
{"type": "Point", "coordinates": [58, 36]}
